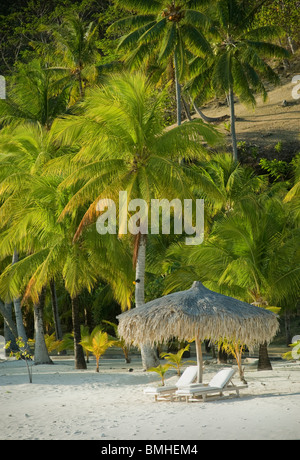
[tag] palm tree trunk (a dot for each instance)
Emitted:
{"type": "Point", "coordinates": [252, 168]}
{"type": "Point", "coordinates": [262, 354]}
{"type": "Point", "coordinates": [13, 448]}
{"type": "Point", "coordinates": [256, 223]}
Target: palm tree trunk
{"type": "Point", "coordinates": [56, 318]}
{"type": "Point", "coordinates": [264, 363]}
{"type": "Point", "coordinates": [149, 356]}
{"type": "Point", "coordinates": [291, 44]}
{"type": "Point", "coordinates": [199, 360]}
{"type": "Point", "coordinates": [9, 336]}
{"type": "Point", "coordinates": [41, 355]}
{"type": "Point", "coordinates": [18, 312]}
{"type": "Point", "coordinates": [8, 321]}
{"type": "Point", "coordinates": [78, 350]}
{"type": "Point", "coordinates": [209, 119]}
{"type": "Point", "coordinates": [81, 92]}
{"type": "Point", "coordinates": [222, 356]}
{"type": "Point", "coordinates": [232, 121]}
{"type": "Point", "coordinates": [140, 271]}
{"type": "Point", "coordinates": [287, 325]}
{"type": "Point", "coordinates": [178, 90]}
{"type": "Point", "coordinates": [186, 109]}
{"type": "Point", "coordinates": [81, 88]}
{"type": "Point", "coordinates": [57, 325]}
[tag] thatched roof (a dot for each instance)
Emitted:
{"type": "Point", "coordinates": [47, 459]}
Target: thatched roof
{"type": "Point", "coordinates": [197, 312]}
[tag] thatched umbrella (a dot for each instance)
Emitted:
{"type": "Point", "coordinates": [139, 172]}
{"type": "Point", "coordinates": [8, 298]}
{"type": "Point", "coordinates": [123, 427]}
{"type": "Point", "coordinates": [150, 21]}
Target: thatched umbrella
{"type": "Point", "coordinates": [199, 314]}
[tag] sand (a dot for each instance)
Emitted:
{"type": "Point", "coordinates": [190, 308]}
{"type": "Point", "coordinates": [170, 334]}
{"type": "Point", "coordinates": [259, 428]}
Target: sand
{"type": "Point", "coordinates": [67, 404]}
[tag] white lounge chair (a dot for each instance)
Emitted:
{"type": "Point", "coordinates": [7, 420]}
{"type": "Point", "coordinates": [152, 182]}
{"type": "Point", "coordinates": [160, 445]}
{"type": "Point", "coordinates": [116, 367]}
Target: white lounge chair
{"type": "Point", "coordinates": [220, 383]}
{"type": "Point", "coordinates": [166, 392]}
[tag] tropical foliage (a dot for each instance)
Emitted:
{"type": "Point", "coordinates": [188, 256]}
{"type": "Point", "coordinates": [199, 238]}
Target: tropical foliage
{"type": "Point", "coordinates": [94, 91]}
{"type": "Point", "coordinates": [175, 359]}
{"type": "Point", "coordinates": [97, 343]}
{"type": "Point", "coordinates": [168, 30]}
{"type": "Point", "coordinates": [22, 353]}
{"type": "Point", "coordinates": [237, 66]}
{"type": "Point", "coordinates": [295, 353]}
{"type": "Point", "coordinates": [161, 370]}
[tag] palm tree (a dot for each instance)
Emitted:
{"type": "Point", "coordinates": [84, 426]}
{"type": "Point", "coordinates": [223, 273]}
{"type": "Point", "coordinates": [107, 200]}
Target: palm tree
{"type": "Point", "coordinates": [225, 184]}
{"type": "Point", "coordinates": [35, 95]}
{"type": "Point", "coordinates": [28, 213]}
{"type": "Point", "coordinates": [24, 152]}
{"type": "Point", "coordinates": [251, 255]}
{"type": "Point", "coordinates": [119, 341]}
{"type": "Point", "coordinates": [237, 66]}
{"type": "Point", "coordinates": [35, 98]}
{"type": "Point", "coordinates": [75, 46]}
{"type": "Point", "coordinates": [124, 148]}
{"type": "Point", "coordinates": [49, 254]}
{"type": "Point", "coordinates": [19, 158]}
{"type": "Point", "coordinates": [166, 29]}
{"type": "Point", "coordinates": [97, 343]}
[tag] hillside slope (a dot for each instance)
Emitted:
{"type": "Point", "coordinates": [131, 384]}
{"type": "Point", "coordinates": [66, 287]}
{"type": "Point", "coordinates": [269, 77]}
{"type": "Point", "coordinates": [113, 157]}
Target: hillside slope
{"type": "Point", "coordinates": [269, 122]}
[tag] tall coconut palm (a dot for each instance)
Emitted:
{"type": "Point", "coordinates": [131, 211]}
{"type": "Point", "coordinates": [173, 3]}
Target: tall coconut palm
{"type": "Point", "coordinates": [19, 157]}
{"type": "Point", "coordinates": [164, 29]}
{"type": "Point", "coordinates": [125, 148]}
{"type": "Point", "coordinates": [49, 253]}
{"type": "Point", "coordinates": [24, 151]}
{"type": "Point", "coordinates": [237, 66]}
{"type": "Point", "coordinates": [35, 97]}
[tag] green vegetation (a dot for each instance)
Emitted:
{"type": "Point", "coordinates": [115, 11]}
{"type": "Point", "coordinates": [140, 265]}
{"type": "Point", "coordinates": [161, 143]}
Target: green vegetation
{"type": "Point", "coordinates": [22, 353]}
{"type": "Point", "coordinates": [295, 353]}
{"type": "Point", "coordinates": [175, 359]}
{"type": "Point", "coordinates": [97, 343]}
{"type": "Point", "coordinates": [161, 370]}
{"type": "Point", "coordinates": [97, 93]}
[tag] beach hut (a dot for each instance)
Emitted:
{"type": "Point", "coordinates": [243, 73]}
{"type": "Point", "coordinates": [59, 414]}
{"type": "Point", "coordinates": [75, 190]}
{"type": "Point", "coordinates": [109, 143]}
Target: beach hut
{"type": "Point", "coordinates": [197, 313]}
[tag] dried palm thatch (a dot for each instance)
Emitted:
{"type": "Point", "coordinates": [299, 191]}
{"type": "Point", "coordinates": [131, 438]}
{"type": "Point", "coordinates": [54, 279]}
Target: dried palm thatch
{"type": "Point", "coordinates": [199, 314]}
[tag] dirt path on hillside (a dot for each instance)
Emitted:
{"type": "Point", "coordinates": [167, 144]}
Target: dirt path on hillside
{"type": "Point", "coordinates": [269, 122]}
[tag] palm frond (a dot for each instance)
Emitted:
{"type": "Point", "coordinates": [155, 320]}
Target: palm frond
{"type": "Point", "coordinates": [142, 6]}
{"type": "Point", "coordinates": [197, 19]}
{"type": "Point", "coordinates": [195, 40]}
{"type": "Point", "coordinates": [241, 86]}
{"type": "Point", "coordinates": [222, 77]}
{"type": "Point", "coordinates": [155, 32]}
{"type": "Point", "coordinates": [168, 43]}
{"type": "Point", "coordinates": [132, 37]}
{"type": "Point", "coordinates": [135, 22]}
{"type": "Point", "coordinates": [263, 33]}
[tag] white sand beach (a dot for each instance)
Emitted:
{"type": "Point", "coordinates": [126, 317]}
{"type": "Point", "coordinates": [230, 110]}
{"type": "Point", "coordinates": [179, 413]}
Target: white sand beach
{"type": "Point", "coordinates": [67, 404]}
